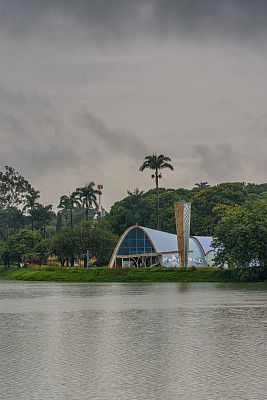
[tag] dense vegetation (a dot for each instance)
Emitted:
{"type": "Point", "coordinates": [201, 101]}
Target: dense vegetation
{"type": "Point", "coordinates": [209, 206]}
{"type": "Point", "coordinates": [153, 274]}
{"type": "Point", "coordinates": [120, 274]}
{"type": "Point", "coordinates": [234, 213]}
{"type": "Point", "coordinates": [241, 236]}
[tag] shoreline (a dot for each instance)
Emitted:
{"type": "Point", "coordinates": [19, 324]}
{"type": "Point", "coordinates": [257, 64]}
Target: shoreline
{"type": "Point", "coordinates": [103, 274]}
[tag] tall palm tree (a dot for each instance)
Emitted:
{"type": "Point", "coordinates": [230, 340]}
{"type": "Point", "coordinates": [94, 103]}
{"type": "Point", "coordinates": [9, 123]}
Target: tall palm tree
{"type": "Point", "coordinates": [88, 196]}
{"type": "Point", "coordinates": [202, 185]}
{"type": "Point", "coordinates": [42, 215]}
{"type": "Point", "coordinates": [64, 207]}
{"type": "Point", "coordinates": [67, 205]}
{"type": "Point", "coordinates": [156, 163]}
{"type": "Point", "coordinates": [31, 203]}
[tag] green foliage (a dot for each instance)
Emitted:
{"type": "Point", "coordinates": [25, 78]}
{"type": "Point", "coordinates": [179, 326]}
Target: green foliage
{"type": "Point", "coordinates": [98, 239]}
{"type": "Point", "coordinates": [143, 212]}
{"type": "Point", "coordinates": [68, 204]}
{"type": "Point", "coordinates": [241, 236]}
{"type": "Point", "coordinates": [11, 221]}
{"type": "Point", "coordinates": [64, 244]}
{"type": "Point", "coordinates": [59, 223]}
{"type": "Point", "coordinates": [30, 204]}
{"type": "Point", "coordinates": [87, 195]}
{"type": "Point", "coordinates": [156, 163]}
{"type": "Point", "coordinates": [120, 274]}
{"type": "Point", "coordinates": [93, 236]}
{"type": "Point", "coordinates": [42, 250]}
{"type": "Point", "coordinates": [249, 274]}
{"type": "Point", "coordinates": [202, 185]}
{"type": "Point", "coordinates": [1, 251]}
{"type": "Point", "coordinates": [256, 189]}
{"type": "Point", "coordinates": [50, 231]}
{"type": "Point", "coordinates": [42, 215]}
{"type": "Point", "coordinates": [19, 245]}
{"type": "Point", "coordinates": [211, 204]}
{"type": "Point", "coordinates": [254, 196]}
{"type": "Point", "coordinates": [13, 188]}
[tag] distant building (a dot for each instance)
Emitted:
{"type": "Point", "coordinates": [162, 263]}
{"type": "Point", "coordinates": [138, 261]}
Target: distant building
{"type": "Point", "coordinates": [139, 246]}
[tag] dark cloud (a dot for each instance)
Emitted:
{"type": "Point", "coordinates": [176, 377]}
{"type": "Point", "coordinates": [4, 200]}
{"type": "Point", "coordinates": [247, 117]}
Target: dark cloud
{"type": "Point", "coordinates": [123, 19]}
{"type": "Point", "coordinates": [220, 162]}
{"type": "Point", "coordinates": [115, 140]}
{"type": "Point", "coordinates": [30, 134]}
{"type": "Point", "coordinates": [167, 73]}
{"type": "Point", "coordinates": [239, 17]}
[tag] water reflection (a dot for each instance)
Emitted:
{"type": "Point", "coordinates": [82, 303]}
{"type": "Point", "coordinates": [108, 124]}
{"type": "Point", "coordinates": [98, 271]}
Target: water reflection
{"type": "Point", "coordinates": [132, 341]}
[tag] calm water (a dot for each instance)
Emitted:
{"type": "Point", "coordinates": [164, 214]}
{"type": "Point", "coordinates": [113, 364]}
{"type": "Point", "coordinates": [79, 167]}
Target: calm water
{"type": "Point", "coordinates": [132, 341]}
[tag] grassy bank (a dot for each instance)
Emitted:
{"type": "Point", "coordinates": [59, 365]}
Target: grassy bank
{"type": "Point", "coordinates": [4, 272]}
{"type": "Point", "coordinates": [116, 275]}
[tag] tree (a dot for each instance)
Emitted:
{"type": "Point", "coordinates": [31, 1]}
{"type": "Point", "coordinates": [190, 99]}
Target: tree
{"type": "Point", "coordinates": [211, 204]}
{"type": "Point", "coordinates": [42, 215]}
{"type": "Point", "coordinates": [257, 189]}
{"type": "Point", "coordinates": [59, 222]}
{"type": "Point", "coordinates": [13, 188]}
{"type": "Point", "coordinates": [64, 205]}
{"type": "Point", "coordinates": [65, 245]}
{"type": "Point", "coordinates": [93, 236]}
{"type": "Point", "coordinates": [156, 163]}
{"type": "Point", "coordinates": [129, 210]}
{"type": "Point", "coordinates": [19, 245]}
{"type": "Point", "coordinates": [30, 203]}
{"type": "Point", "coordinates": [202, 185]}
{"type": "Point", "coordinates": [240, 237]}
{"type": "Point", "coordinates": [98, 239]}
{"type": "Point", "coordinates": [88, 195]}
{"type": "Point", "coordinates": [11, 220]}
{"type": "Point", "coordinates": [135, 198]}
{"type": "Point", "coordinates": [68, 204]}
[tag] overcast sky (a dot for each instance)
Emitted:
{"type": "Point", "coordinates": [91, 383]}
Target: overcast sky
{"type": "Point", "coordinates": [88, 88]}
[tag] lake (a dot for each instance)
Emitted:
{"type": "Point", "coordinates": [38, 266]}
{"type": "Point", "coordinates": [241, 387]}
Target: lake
{"type": "Point", "coordinates": [120, 341]}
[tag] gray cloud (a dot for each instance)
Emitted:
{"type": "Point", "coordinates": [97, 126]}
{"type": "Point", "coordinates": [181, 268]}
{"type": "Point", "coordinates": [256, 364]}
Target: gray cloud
{"type": "Point", "coordinates": [220, 162]}
{"type": "Point", "coordinates": [31, 134]}
{"type": "Point", "coordinates": [240, 17]}
{"type": "Point", "coordinates": [115, 140]}
{"type": "Point", "coordinates": [123, 19]}
{"type": "Point", "coordinates": [161, 74]}
{"type": "Point", "coordinates": [258, 127]}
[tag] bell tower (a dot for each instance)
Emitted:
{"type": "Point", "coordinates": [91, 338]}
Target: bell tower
{"type": "Point", "coordinates": [182, 218]}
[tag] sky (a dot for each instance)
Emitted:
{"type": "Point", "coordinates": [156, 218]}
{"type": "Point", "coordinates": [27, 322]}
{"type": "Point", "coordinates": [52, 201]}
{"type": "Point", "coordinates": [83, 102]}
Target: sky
{"type": "Point", "coordinates": [88, 88]}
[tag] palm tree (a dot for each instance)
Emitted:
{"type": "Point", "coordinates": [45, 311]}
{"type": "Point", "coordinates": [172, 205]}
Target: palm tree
{"type": "Point", "coordinates": [64, 205]}
{"type": "Point", "coordinates": [67, 204]}
{"type": "Point", "coordinates": [135, 198]}
{"type": "Point", "coordinates": [42, 215]}
{"type": "Point", "coordinates": [202, 185]}
{"type": "Point", "coordinates": [88, 196]}
{"type": "Point", "coordinates": [156, 163]}
{"type": "Point", "coordinates": [31, 203]}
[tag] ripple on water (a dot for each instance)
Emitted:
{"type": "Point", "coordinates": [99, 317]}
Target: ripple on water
{"type": "Point", "coordinates": [130, 341]}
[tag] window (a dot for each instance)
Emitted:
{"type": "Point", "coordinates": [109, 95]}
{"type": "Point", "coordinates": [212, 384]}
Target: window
{"type": "Point", "coordinates": [135, 242]}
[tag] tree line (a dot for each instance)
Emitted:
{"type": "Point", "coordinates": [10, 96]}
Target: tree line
{"type": "Point", "coordinates": [20, 208]}
{"type": "Point", "coordinates": [33, 230]}
{"type": "Point", "coordinates": [215, 211]}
